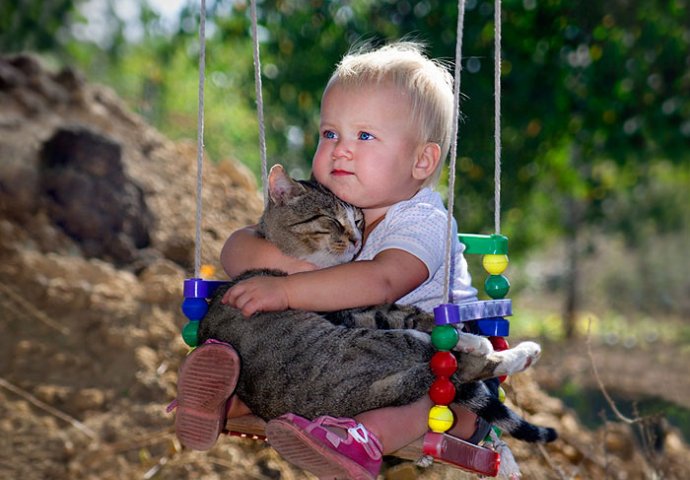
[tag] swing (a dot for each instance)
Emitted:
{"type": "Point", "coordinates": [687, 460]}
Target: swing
{"type": "Point", "coordinates": [481, 317]}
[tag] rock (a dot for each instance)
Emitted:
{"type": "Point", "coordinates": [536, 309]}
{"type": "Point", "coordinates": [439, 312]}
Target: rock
{"type": "Point", "coordinates": [89, 195]}
{"type": "Point", "coordinates": [88, 399]}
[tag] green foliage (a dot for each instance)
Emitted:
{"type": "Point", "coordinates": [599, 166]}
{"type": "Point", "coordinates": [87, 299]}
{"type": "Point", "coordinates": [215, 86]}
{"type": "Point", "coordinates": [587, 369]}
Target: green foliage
{"type": "Point", "coordinates": [595, 99]}
{"type": "Point", "coordinates": [34, 25]}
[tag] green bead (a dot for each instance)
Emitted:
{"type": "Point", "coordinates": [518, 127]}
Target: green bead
{"type": "Point", "coordinates": [444, 337]}
{"type": "Point", "coordinates": [496, 286]}
{"type": "Point", "coordinates": [496, 430]}
{"type": "Point", "coordinates": [189, 333]}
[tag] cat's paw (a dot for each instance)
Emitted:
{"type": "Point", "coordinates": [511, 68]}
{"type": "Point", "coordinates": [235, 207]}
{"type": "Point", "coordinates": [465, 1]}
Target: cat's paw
{"type": "Point", "coordinates": [423, 336]}
{"type": "Point", "coordinates": [518, 358]}
{"type": "Point", "coordinates": [473, 344]}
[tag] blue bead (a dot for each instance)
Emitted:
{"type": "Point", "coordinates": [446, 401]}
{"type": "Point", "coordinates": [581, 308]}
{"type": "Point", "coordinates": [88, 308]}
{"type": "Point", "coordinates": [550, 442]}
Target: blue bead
{"type": "Point", "coordinates": [490, 327]}
{"type": "Point", "coordinates": [194, 308]}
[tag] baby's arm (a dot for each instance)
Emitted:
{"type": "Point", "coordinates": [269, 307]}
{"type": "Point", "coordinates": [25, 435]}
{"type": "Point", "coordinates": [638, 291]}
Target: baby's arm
{"type": "Point", "coordinates": [245, 249]}
{"type": "Point", "coordinates": [387, 277]}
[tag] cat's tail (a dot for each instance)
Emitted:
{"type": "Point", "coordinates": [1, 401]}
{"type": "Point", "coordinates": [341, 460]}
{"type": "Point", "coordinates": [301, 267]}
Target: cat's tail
{"type": "Point", "coordinates": [477, 398]}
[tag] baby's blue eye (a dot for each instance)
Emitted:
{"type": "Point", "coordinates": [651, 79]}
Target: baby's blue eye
{"type": "Point", "coordinates": [365, 136]}
{"type": "Point", "coordinates": [330, 134]}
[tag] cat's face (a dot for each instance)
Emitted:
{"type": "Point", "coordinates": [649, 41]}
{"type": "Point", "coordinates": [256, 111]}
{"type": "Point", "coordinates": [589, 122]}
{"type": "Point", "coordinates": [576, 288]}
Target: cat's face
{"type": "Point", "coordinates": [307, 221]}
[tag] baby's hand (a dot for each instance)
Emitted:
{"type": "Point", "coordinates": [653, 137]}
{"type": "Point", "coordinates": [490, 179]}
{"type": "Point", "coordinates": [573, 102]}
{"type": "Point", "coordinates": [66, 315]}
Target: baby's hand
{"type": "Point", "coordinates": [258, 294]}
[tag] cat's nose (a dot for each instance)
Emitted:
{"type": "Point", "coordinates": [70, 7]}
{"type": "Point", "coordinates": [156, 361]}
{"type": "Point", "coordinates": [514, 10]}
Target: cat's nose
{"type": "Point", "coordinates": [356, 241]}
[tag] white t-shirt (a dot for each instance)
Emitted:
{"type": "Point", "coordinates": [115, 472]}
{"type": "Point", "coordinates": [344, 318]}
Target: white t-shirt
{"type": "Point", "coordinates": [419, 227]}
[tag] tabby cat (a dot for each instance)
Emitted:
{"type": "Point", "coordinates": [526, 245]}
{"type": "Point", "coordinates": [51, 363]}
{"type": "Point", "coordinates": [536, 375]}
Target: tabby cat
{"type": "Point", "coordinates": [355, 360]}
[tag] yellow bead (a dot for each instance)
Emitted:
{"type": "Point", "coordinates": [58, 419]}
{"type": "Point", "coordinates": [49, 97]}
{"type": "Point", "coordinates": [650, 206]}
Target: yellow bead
{"type": "Point", "coordinates": [495, 264]}
{"type": "Point", "coordinates": [440, 418]}
{"type": "Point", "coordinates": [501, 394]}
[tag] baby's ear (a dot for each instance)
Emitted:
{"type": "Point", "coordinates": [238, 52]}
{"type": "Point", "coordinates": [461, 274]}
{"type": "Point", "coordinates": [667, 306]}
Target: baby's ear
{"type": "Point", "coordinates": [281, 188]}
{"type": "Point", "coordinates": [427, 160]}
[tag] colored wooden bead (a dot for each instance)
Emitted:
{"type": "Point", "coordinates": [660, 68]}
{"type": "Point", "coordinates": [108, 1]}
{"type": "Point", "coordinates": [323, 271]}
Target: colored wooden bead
{"type": "Point", "coordinates": [207, 271]}
{"type": "Point", "coordinates": [194, 308]}
{"type": "Point", "coordinates": [501, 394]}
{"type": "Point", "coordinates": [496, 286]}
{"type": "Point", "coordinates": [443, 364]}
{"type": "Point", "coordinates": [494, 244]}
{"type": "Point", "coordinates": [447, 314]}
{"type": "Point", "coordinates": [488, 327]}
{"type": "Point", "coordinates": [499, 343]}
{"type": "Point", "coordinates": [189, 333]}
{"type": "Point", "coordinates": [485, 309]}
{"type": "Point", "coordinates": [442, 391]}
{"type": "Point", "coordinates": [497, 431]}
{"type": "Point", "coordinates": [444, 337]}
{"type": "Point", "coordinates": [495, 264]}
{"type": "Point", "coordinates": [440, 418]}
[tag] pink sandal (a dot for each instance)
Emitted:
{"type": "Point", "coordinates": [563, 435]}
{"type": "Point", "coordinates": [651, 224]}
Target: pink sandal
{"type": "Point", "coordinates": [311, 446]}
{"type": "Point", "coordinates": [206, 382]}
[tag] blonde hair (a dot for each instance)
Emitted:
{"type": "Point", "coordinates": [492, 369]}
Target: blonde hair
{"type": "Point", "coordinates": [427, 83]}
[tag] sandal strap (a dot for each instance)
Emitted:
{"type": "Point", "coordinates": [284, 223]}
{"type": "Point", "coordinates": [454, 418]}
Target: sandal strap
{"type": "Point", "coordinates": [338, 422]}
{"type": "Point", "coordinates": [357, 431]}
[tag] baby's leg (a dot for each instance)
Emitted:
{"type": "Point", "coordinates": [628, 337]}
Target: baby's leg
{"type": "Point", "coordinates": [396, 427]}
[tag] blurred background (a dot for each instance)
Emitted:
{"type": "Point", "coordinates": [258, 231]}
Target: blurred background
{"type": "Point", "coordinates": [595, 129]}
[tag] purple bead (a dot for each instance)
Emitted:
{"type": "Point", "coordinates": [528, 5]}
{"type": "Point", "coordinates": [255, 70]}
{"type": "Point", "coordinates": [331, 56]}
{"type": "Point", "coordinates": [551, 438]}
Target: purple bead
{"type": "Point", "coordinates": [447, 314]}
{"type": "Point", "coordinates": [200, 288]}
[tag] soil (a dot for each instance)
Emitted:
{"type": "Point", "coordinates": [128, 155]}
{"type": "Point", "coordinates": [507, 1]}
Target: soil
{"type": "Point", "coordinates": [97, 215]}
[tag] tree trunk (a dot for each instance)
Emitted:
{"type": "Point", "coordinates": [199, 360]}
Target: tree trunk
{"type": "Point", "coordinates": [572, 276]}
{"type": "Point", "coordinates": [574, 209]}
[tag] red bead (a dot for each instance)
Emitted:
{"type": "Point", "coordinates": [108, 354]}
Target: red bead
{"type": "Point", "coordinates": [442, 391]}
{"type": "Point", "coordinates": [499, 343]}
{"type": "Point", "coordinates": [443, 364]}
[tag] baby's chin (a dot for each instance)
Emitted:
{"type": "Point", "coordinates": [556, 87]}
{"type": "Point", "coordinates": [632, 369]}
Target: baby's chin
{"type": "Point", "coordinates": [340, 190]}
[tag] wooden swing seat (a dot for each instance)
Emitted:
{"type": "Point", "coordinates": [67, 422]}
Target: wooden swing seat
{"type": "Point", "coordinates": [443, 448]}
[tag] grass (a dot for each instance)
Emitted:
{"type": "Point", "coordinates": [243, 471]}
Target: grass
{"type": "Point", "coordinates": [609, 327]}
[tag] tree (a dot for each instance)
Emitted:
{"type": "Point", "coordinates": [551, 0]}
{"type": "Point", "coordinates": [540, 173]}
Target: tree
{"type": "Point", "coordinates": [34, 24]}
{"type": "Point", "coordinates": [595, 111]}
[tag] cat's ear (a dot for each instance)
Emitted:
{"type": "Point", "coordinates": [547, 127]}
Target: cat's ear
{"type": "Point", "coordinates": [281, 187]}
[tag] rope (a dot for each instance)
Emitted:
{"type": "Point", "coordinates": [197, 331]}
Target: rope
{"type": "Point", "coordinates": [453, 148]}
{"type": "Point", "coordinates": [200, 124]}
{"type": "Point", "coordinates": [259, 101]}
{"type": "Point", "coordinates": [497, 132]}
{"type": "Point", "coordinates": [497, 116]}
{"type": "Point", "coordinates": [200, 138]}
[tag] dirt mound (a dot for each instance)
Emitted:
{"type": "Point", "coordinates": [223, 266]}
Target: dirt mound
{"type": "Point", "coordinates": [96, 234]}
